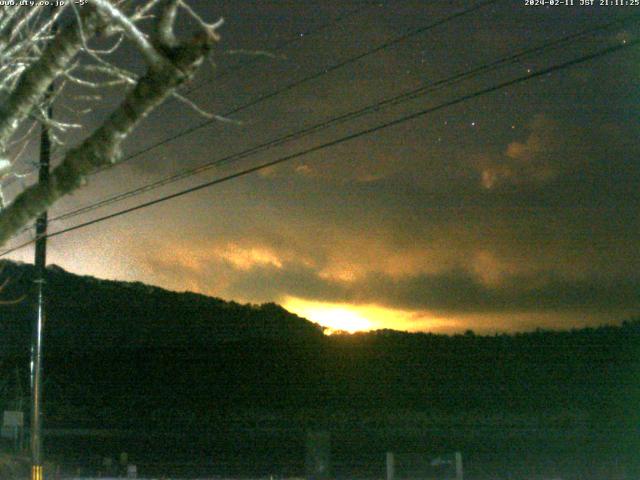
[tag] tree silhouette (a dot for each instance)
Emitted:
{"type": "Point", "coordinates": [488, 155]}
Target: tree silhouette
{"type": "Point", "coordinates": [33, 57]}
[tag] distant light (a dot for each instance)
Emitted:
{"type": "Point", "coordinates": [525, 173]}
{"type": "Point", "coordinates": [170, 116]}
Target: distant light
{"type": "Point", "coordinates": [358, 318]}
{"type": "Point", "coordinates": [334, 317]}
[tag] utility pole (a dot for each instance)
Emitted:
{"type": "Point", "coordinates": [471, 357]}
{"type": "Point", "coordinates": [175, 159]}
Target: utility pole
{"type": "Point", "coordinates": [38, 325]}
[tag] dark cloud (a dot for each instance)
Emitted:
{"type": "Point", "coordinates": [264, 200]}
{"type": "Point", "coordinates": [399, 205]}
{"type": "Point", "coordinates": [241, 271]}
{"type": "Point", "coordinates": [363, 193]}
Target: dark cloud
{"type": "Point", "coordinates": [512, 207]}
{"type": "Point", "coordinates": [458, 292]}
{"type": "Point", "coordinates": [453, 292]}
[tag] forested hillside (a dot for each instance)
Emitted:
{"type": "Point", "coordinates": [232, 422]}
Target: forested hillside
{"type": "Point", "coordinates": [136, 358]}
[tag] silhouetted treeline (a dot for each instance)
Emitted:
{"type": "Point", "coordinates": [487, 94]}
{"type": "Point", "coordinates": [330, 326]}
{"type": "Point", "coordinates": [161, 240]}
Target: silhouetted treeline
{"type": "Point", "coordinates": [139, 358]}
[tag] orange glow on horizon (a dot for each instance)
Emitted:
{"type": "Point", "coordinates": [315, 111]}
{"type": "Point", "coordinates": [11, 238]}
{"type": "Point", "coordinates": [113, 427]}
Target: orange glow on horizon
{"type": "Point", "coordinates": [360, 318]}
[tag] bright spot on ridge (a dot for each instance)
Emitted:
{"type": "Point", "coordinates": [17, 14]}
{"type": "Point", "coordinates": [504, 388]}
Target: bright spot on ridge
{"type": "Point", "coordinates": [357, 318]}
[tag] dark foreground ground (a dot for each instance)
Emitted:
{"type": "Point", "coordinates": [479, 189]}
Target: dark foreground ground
{"type": "Point", "coordinates": [519, 452]}
{"type": "Point", "coordinates": [191, 386]}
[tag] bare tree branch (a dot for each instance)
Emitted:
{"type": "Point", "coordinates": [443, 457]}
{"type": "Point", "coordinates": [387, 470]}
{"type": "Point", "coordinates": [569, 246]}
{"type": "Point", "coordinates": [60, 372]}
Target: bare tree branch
{"type": "Point", "coordinates": [103, 146]}
{"type": "Point", "coordinates": [131, 31]}
{"type": "Point", "coordinates": [35, 81]}
{"type": "Point", "coordinates": [32, 59]}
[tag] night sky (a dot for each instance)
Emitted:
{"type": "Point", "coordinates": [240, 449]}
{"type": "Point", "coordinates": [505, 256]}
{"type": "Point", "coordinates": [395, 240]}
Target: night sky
{"type": "Point", "coordinates": [508, 211]}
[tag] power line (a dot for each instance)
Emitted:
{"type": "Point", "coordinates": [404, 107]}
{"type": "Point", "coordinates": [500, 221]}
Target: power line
{"type": "Point", "coordinates": [383, 46]}
{"type": "Point", "coordinates": [361, 133]}
{"type": "Point", "coordinates": [410, 95]}
{"type": "Point", "coordinates": [290, 86]}
{"type": "Point", "coordinates": [309, 78]}
{"type": "Point", "coordinates": [286, 43]}
{"type": "Point", "coordinates": [252, 60]}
